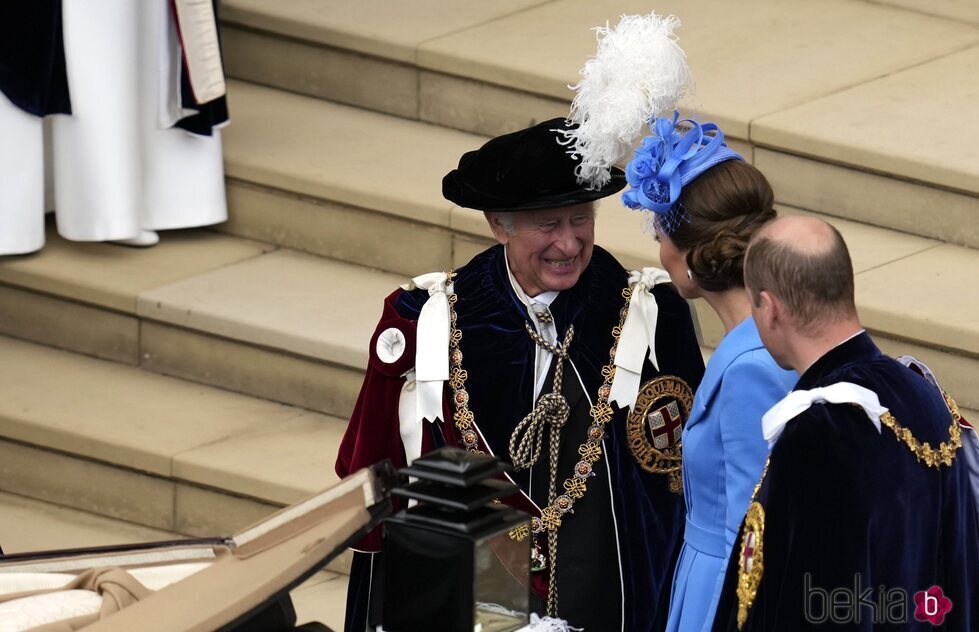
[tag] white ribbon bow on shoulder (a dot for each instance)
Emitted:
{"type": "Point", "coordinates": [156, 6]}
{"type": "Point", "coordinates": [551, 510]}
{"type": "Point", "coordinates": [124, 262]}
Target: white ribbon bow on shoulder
{"type": "Point", "coordinates": [797, 402]}
{"type": "Point", "coordinates": [638, 336]}
{"type": "Point", "coordinates": [421, 397]}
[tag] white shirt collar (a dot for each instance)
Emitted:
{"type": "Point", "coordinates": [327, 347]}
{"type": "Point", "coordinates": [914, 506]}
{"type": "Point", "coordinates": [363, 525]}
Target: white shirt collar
{"type": "Point", "coordinates": [545, 298]}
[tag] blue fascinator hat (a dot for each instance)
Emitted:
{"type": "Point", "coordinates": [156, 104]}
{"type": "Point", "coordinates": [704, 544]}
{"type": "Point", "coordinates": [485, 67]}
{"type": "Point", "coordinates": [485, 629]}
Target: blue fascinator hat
{"type": "Point", "coordinates": [670, 159]}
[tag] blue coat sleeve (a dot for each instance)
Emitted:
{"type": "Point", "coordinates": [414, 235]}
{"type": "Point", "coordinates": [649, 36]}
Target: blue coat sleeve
{"type": "Point", "coordinates": [752, 384]}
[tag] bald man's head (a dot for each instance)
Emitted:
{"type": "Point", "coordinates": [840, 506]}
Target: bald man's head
{"type": "Point", "coordinates": [803, 262]}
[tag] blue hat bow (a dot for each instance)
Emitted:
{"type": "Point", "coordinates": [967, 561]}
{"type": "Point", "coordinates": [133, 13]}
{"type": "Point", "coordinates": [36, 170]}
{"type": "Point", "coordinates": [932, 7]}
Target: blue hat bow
{"type": "Point", "coordinates": [668, 160]}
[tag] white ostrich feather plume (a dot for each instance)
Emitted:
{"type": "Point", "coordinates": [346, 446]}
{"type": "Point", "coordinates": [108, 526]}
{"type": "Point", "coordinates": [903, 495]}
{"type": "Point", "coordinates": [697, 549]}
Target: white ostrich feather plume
{"type": "Point", "coordinates": [638, 71]}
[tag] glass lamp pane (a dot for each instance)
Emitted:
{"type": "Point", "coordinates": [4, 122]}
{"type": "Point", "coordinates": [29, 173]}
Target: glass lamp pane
{"type": "Point", "coordinates": [502, 570]}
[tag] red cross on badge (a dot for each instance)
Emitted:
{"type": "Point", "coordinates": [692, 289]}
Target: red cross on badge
{"type": "Point", "coordinates": [747, 558]}
{"type": "Point", "coordinates": [666, 425]}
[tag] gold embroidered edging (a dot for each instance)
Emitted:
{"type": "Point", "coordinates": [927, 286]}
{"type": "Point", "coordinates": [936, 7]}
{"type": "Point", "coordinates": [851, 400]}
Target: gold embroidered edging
{"type": "Point", "coordinates": [750, 578]}
{"type": "Point", "coordinates": [751, 561]}
{"type": "Point", "coordinates": [923, 452]}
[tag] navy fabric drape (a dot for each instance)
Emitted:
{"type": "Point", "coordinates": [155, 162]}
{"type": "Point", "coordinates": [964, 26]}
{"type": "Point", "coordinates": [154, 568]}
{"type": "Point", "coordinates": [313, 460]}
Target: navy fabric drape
{"type": "Point", "coordinates": [32, 56]}
{"type": "Point", "coordinates": [850, 509]}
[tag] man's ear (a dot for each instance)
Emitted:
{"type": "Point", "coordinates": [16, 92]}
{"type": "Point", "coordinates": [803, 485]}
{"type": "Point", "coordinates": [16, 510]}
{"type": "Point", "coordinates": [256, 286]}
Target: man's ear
{"type": "Point", "coordinates": [770, 310]}
{"type": "Point", "coordinates": [499, 232]}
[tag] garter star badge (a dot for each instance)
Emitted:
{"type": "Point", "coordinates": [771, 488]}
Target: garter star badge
{"type": "Point", "coordinates": [655, 426]}
{"type": "Point", "coordinates": [751, 564]}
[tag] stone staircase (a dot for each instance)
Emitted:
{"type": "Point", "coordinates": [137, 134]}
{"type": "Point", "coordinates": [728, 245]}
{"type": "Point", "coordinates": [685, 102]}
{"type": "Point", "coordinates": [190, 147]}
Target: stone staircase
{"type": "Point", "coordinates": [197, 385]}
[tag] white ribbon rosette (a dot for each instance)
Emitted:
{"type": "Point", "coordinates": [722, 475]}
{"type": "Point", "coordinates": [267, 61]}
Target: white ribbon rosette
{"type": "Point", "coordinates": [421, 396]}
{"type": "Point", "coordinates": [638, 336]}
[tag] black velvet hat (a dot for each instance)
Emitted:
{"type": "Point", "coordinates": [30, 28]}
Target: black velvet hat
{"type": "Point", "coordinates": [522, 171]}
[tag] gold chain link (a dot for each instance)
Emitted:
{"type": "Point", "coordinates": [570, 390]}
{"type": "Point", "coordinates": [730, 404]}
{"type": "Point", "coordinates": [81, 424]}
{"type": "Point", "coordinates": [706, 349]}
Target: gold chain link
{"type": "Point", "coordinates": [923, 452]}
{"type": "Point", "coordinates": [601, 413]}
{"type": "Point", "coordinates": [591, 450]}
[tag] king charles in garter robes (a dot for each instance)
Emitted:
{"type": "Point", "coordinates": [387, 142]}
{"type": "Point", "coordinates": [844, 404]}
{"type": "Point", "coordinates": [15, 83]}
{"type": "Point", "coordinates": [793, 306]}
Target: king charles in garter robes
{"type": "Point", "coordinates": [533, 325]}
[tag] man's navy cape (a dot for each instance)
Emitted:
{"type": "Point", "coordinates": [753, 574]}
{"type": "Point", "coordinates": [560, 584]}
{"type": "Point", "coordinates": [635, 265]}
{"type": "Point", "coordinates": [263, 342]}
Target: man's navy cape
{"type": "Point", "coordinates": [32, 56]}
{"type": "Point", "coordinates": [847, 507]}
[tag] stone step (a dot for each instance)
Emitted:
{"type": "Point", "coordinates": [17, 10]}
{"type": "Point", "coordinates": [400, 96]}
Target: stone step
{"type": "Point", "coordinates": [819, 96]}
{"type": "Point", "coordinates": [289, 327]}
{"type": "Point", "coordinates": [293, 327]}
{"type": "Point", "coordinates": [341, 182]}
{"type": "Point", "coordinates": [152, 450]}
{"type": "Point", "coordinates": [962, 10]}
{"type": "Point", "coordinates": [29, 525]}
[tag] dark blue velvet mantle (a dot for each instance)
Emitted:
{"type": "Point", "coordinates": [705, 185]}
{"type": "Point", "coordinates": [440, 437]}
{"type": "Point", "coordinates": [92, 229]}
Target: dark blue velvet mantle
{"type": "Point", "coordinates": [32, 56]}
{"type": "Point", "coordinates": [845, 504]}
{"type": "Point", "coordinates": [648, 515]}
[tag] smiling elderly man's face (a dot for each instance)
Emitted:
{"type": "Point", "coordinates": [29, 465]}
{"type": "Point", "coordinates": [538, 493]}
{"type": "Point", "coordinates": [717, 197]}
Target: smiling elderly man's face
{"type": "Point", "coordinates": [547, 249]}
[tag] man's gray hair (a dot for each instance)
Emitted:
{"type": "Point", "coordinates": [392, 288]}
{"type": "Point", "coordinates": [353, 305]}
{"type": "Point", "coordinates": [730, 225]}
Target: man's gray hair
{"type": "Point", "coordinates": [506, 222]}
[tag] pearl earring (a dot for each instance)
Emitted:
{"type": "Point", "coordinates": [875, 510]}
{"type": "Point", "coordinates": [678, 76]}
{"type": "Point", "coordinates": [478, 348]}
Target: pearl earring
{"type": "Point", "coordinates": [689, 274]}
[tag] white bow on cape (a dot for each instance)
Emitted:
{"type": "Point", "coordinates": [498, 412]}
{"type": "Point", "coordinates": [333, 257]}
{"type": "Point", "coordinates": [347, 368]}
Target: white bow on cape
{"type": "Point", "coordinates": [638, 336]}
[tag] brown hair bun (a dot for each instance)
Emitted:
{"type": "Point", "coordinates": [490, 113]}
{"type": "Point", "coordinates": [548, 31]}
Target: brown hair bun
{"type": "Point", "coordinates": [722, 209]}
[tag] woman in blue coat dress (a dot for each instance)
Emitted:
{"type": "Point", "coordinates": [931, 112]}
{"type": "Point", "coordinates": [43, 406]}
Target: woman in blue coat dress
{"type": "Point", "coordinates": [706, 203]}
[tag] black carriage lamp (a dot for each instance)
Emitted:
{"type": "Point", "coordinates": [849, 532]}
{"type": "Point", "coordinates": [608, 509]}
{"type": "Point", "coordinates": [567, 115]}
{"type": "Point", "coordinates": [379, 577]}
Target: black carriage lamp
{"type": "Point", "coordinates": [449, 563]}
